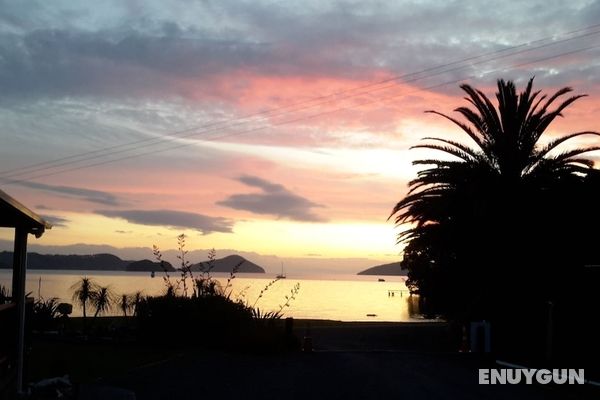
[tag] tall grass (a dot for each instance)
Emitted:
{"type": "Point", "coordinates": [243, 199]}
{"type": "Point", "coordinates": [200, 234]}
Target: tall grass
{"type": "Point", "coordinates": [4, 294]}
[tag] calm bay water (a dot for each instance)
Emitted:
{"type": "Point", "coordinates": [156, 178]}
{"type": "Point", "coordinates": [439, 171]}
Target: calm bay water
{"type": "Point", "coordinates": [336, 297]}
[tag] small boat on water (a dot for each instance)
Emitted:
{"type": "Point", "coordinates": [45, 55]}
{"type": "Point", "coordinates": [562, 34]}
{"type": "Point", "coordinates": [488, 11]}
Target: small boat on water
{"type": "Point", "coordinates": [281, 275]}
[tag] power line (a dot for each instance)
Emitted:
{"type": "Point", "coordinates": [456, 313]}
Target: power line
{"type": "Point", "coordinates": [146, 142]}
{"type": "Point", "coordinates": [86, 156]}
{"type": "Point", "coordinates": [16, 181]}
{"type": "Point", "coordinates": [241, 120]}
{"type": "Point", "coordinates": [298, 119]}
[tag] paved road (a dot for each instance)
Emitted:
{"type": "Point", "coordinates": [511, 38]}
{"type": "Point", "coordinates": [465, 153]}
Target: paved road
{"type": "Point", "coordinates": [367, 362]}
{"type": "Point", "coordinates": [326, 375]}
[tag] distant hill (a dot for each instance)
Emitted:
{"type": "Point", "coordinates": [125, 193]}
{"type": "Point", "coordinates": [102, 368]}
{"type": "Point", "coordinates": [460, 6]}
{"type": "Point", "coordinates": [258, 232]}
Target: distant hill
{"type": "Point", "coordinates": [385, 269]}
{"type": "Point", "coordinates": [226, 264]}
{"type": "Point", "coordinates": [94, 262]}
{"type": "Point", "coordinates": [110, 262]}
{"type": "Point", "coordinates": [147, 265]}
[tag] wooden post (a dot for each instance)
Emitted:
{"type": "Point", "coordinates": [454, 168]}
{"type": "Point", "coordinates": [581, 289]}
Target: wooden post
{"type": "Point", "coordinates": [18, 296]}
{"type": "Point", "coordinates": [550, 331]}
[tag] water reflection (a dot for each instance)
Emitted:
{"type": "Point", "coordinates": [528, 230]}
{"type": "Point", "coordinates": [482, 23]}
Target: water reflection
{"type": "Point", "coordinates": [345, 298]}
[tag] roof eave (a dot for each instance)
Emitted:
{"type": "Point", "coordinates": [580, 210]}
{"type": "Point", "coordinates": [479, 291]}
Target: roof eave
{"type": "Point", "coordinates": [35, 224]}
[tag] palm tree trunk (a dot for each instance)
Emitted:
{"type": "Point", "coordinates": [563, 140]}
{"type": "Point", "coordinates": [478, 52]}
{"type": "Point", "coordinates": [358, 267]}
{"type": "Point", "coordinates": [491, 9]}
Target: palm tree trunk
{"type": "Point", "coordinates": [84, 318]}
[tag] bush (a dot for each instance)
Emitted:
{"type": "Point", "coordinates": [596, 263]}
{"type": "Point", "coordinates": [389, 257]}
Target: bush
{"type": "Point", "coordinates": [193, 319]}
{"type": "Point", "coordinates": [198, 310]}
{"type": "Point", "coordinates": [44, 314]}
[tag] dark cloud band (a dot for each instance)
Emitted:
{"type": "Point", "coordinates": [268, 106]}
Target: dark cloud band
{"type": "Point", "coordinates": [274, 200]}
{"type": "Point", "coordinates": [93, 196]}
{"type": "Point", "coordinates": [174, 219]}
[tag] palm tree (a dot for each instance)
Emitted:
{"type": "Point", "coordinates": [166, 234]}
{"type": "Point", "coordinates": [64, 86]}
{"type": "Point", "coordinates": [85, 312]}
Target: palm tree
{"type": "Point", "coordinates": [135, 301]}
{"type": "Point", "coordinates": [125, 304]}
{"type": "Point", "coordinates": [507, 150]}
{"type": "Point", "coordinates": [103, 300]}
{"type": "Point", "coordinates": [490, 196]}
{"type": "Point", "coordinates": [84, 291]}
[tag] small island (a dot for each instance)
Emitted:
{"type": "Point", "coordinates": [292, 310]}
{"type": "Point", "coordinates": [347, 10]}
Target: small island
{"type": "Point", "coordinates": [227, 264]}
{"type": "Point", "coordinates": [385, 269]}
{"type": "Point", "coordinates": [147, 265]}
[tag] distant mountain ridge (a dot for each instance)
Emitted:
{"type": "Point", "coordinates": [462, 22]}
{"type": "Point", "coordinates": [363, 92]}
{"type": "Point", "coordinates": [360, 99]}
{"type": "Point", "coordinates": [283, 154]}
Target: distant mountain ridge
{"type": "Point", "coordinates": [385, 269]}
{"type": "Point", "coordinates": [310, 262]}
{"type": "Point", "coordinates": [92, 262]}
{"type": "Point", "coordinates": [110, 262]}
{"type": "Point", "coordinates": [226, 264]}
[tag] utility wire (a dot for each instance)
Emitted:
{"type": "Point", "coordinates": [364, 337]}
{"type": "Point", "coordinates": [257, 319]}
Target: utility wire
{"type": "Point", "coordinates": [180, 145]}
{"type": "Point", "coordinates": [146, 142]}
{"type": "Point", "coordinates": [86, 156]}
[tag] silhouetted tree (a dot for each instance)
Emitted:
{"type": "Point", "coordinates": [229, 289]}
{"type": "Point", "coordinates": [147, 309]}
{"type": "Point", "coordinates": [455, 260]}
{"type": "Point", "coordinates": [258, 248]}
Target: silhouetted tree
{"type": "Point", "coordinates": [126, 303]}
{"type": "Point", "coordinates": [103, 300]}
{"type": "Point", "coordinates": [489, 221]}
{"type": "Point", "coordinates": [83, 292]}
{"type": "Point", "coordinates": [136, 299]}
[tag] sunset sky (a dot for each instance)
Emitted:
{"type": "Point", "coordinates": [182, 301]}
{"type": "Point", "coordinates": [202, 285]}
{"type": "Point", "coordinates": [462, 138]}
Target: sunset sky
{"type": "Point", "coordinates": [280, 128]}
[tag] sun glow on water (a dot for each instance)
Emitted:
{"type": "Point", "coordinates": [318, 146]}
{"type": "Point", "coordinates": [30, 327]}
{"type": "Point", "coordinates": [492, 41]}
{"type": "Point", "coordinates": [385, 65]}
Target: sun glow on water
{"type": "Point", "coordinates": [344, 298]}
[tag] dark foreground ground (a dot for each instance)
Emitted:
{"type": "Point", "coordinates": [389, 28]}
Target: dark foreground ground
{"type": "Point", "coordinates": [326, 375]}
{"type": "Point", "coordinates": [349, 361]}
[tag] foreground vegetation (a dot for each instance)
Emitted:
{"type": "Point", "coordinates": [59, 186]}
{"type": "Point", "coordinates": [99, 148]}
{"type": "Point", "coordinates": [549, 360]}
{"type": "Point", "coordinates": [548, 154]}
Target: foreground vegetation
{"type": "Point", "coordinates": [195, 310]}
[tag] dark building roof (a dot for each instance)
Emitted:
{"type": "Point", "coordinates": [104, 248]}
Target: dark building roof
{"type": "Point", "coordinates": [15, 215]}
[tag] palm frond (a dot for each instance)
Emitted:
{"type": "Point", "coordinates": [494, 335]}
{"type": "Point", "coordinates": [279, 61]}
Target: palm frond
{"type": "Point", "coordinates": [565, 156]}
{"type": "Point", "coordinates": [546, 119]}
{"type": "Point", "coordinates": [480, 143]}
{"type": "Point", "coordinates": [557, 142]}
{"type": "Point", "coordinates": [446, 149]}
{"type": "Point", "coordinates": [485, 107]}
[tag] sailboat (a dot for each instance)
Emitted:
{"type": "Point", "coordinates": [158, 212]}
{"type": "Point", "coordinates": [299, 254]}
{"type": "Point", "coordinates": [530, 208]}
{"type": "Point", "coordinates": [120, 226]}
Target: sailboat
{"type": "Point", "coordinates": [281, 275]}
